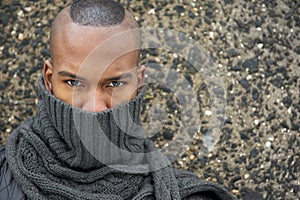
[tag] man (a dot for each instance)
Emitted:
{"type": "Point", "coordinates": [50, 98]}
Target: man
{"type": "Point", "coordinates": [86, 141]}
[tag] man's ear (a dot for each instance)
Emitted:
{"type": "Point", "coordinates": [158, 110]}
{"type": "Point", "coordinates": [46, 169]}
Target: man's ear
{"type": "Point", "coordinates": [47, 73]}
{"type": "Point", "coordinates": [141, 75]}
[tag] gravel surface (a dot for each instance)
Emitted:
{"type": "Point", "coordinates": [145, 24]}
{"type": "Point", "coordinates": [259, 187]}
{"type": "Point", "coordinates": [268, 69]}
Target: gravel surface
{"type": "Point", "coordinates": [253, 47]}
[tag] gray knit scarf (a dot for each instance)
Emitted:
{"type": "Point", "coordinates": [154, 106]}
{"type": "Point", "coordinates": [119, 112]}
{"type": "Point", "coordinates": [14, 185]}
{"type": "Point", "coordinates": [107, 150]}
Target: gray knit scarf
{"type": "Point", "coordinates": [50, 160]}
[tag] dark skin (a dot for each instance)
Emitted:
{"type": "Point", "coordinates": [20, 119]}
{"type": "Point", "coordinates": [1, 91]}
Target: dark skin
{"type": "Point", "coordinates": [90, 69]}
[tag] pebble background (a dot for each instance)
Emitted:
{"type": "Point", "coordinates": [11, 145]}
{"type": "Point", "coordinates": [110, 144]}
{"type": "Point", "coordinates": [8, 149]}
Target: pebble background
{"type": "Point", "coordinates": [255, 46]}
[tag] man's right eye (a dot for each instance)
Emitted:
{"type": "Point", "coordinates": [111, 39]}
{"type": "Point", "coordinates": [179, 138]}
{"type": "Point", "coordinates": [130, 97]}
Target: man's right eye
{"type": "Point", "coordinates": [75, 83]}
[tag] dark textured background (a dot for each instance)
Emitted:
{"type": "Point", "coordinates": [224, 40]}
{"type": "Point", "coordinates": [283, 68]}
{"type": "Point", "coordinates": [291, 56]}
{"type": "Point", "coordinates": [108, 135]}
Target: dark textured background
{"type": "Point", "coordinates": [254, 44]}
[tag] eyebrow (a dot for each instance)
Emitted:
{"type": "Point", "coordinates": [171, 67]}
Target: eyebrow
{"type": "Point", "coordinates": [122, 76]}
{"type": "Point", "coordinates": [114, 78]}
{"type": "Point", "coordinates": [65, 73]}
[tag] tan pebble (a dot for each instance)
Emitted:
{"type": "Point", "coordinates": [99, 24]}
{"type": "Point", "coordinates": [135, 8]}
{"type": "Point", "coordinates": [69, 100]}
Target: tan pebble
{"type": "Point", "coordinates": [192, 148]}
{"type": "Point", "coordinates": [157, 60]}
{"type": "Point", "coordinates": [249, 77]}
{"type": "Point", "coordinates": [214, 180]}
{"type": "Point", "coordinates": [28, 9]}
{"type": "Point", "coordinates": [246, 176]}
{"type": "Point", "coordinates": [235, 192]}
{"type": "Point", "coordinates": [20, 13]}
{"type": "Point", "coordinates": [21, 36]}
{"type": "Point", "coordinates": [192, 157]}
{"type": "Point", "coordinates": [208, 113]}
{"type": "Point", "coordinates": [211, 35]}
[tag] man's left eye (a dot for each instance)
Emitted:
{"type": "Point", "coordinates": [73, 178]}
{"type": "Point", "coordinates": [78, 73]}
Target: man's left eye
{"type": "Point", "coordinates": [74, 83]}
{"type": "Point", "coordinates": [116, 84]}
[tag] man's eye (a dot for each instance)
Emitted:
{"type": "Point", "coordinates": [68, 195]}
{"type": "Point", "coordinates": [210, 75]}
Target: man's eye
{"type": "Point", "coordinates": [74, 83]}
{"type": "Point", "coordinates": [116, 84]}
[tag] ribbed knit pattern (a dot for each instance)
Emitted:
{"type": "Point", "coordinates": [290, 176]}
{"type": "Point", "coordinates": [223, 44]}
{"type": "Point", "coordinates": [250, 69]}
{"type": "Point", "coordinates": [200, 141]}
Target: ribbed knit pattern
{"type": "Point", "coordinates": [67, 153]}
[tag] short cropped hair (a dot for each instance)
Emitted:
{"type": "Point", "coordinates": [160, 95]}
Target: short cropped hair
{"type": "Point", "coordinates": [99, 13]}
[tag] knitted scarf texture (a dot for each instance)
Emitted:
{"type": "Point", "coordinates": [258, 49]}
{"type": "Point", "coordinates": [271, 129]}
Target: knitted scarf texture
{"type": "Point", "coordinates": [67, 153]}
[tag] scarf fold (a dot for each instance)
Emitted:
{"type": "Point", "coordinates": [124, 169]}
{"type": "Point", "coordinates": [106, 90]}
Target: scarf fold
{"type": "Point", "coordinates": [66, 153]}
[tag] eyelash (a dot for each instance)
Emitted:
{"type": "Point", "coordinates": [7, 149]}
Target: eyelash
{"type": "Point", "coordinates": [72, 85]}
{"type": "Point", "coordinates": [118, 82]}
{"type": "Point", "coordinates": [82, 84]}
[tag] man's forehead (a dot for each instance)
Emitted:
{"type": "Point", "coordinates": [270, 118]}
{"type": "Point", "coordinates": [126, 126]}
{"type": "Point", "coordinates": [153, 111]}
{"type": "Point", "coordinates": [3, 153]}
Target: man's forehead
{"type": "Point", "coordinates": [97, 71]}
{"type": "Point", "coordinates": [116, 36]}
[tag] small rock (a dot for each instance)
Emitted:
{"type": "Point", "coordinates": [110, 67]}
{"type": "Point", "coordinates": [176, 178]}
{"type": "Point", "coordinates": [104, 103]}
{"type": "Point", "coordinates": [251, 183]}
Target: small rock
{"type": "Point", "coordinates": [251, 64]}
{"type": "Point", "coordinates": [219, 91]}
{"type": "Point", "coordinates": [235, 191]}
{"type": "Point", "coordinates": [244, 135]}
{"type": "Point", "coordinates": [192, 157]}
{"type": "Point", "coordinates": [249, 43]}
{"type": "Point", "coordinates": [2, 127]}
{"type": "Point", "coordinates": [295, 127]}
{"type": "Point", "coordinates": [27, 9]}
{"type": "Point", "coordinates": [209, 12]}
{"type": "Point", "coordinates": [244, 82]}
{"type": "Point", "coordinates": [256, 122]}
{"type": "Point", "coordinates": [246, 176]}
{"type": "Point", "coordinates": [212, 35]}
{"type": "Point", "coordinates": [191, 14]}
{"type": "Point", "coordinates": [255, 94]}
{"type": "Point", "coordinates": [21, 36]}
{"type": "Point", "coordinates": [243, 27]}
{"type": "Point", "coordinates": [296, 188]}
{"type": "Point", "coordinates": [248, 194]}
{"type": "Point", "coordinates": [235, 179]}
{"type": "Point", "coordinates": [208, 113]}
{"type": "Point", "coordinates": [2, 86]}
{"type": "Point", "coordinates": [5, 101]}
{"type": "Point", "coordinates": [179, 9]}
{"type": "Point", "coordinates": [168, 134]}
{"type": "Point", "coordinates": [232, 53]}
{"type": "Point", "coordinates": [284, 124]}
{"type": "Point", "coordinates": [254, 153]}
{"type": "Point", "coordinates": [260, 45]}
{"type": "Point", "coordinates": [203, 161]}
{"type": "Point", "coordinates": [271, 116]}
{"type": "Point", "coordinates": [203, 86]}
{"type": "Point", "coordinates": [25, 42]}
{"type": "Point", "coordinates": [237, 68]}
{"type": "Point", "coordinates": [277, 81]}
{"type": "Point", "coordinates": [287, 101]}
{"type": "Point", "coordinates": [268, 144]}
{"type": "Point", "coordinates": [297, 50]}
{"type": "Point", "coordinates": [4, 19]}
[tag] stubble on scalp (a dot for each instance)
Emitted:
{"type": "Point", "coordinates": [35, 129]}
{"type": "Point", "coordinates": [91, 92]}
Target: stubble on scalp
{"type": "Point", "coordinates": [64, 18]}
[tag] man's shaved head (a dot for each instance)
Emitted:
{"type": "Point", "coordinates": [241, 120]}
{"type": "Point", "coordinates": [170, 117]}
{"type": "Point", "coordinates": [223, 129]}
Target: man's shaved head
{"type": "Point", "coordinates": [92, 13]}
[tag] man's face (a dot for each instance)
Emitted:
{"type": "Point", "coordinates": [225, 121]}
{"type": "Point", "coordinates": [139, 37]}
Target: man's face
{"type": "Point", "coordinates": [90, 76]}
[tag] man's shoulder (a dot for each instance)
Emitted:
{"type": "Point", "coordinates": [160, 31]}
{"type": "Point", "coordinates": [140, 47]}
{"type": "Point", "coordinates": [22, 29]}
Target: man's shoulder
{"type": "Point", "coordinates": [8, 186]}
